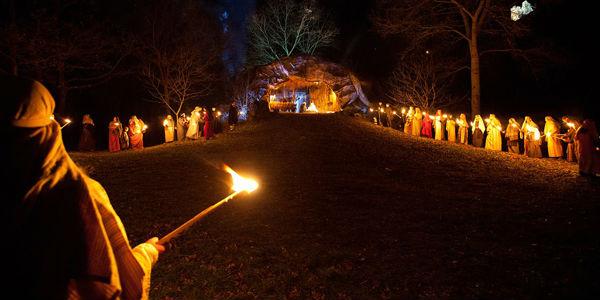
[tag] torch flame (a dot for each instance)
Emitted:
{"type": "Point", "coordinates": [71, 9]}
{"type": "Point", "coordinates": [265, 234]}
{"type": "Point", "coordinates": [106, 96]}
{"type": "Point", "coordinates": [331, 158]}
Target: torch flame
{"type": "Point", "coordinates": [240, 183]}
{"type": "Point", "coordinates": [67, 121]}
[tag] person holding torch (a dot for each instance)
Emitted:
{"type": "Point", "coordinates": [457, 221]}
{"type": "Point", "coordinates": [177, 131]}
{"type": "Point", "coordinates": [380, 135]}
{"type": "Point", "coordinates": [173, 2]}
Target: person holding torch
{"type": "Point", "coordinates": [63, 238]}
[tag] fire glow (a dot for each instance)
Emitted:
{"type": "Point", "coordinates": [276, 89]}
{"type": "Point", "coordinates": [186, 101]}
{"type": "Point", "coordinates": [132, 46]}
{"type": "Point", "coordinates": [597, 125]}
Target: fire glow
{"type": "Point", "coordinates": [240, 184]}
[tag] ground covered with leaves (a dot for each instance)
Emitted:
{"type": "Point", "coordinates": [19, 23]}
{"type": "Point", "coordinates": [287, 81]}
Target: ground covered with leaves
{"type": "Point", "coordinates": [347, 209]}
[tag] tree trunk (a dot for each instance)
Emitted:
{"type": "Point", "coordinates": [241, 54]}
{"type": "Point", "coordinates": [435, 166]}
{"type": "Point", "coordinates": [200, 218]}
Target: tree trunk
{"type": "Point", "coordinates": [475, 76]}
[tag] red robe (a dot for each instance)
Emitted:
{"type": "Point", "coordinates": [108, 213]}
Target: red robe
{"type": "Point", "coordinates": [426, 129]}
{"type": "Point", "coordinates": [208, 128]}
{"type": "Point", "coordinates": [589, 157]}
{"type": "Point", "coordinates": [114, 135]}
{"type": "Point", "coordinates": [136, 137]}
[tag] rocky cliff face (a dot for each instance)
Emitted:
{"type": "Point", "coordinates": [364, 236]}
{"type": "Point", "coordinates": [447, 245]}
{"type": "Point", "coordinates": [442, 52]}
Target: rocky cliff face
{"type": "Point", "coordinates": [310, 69]}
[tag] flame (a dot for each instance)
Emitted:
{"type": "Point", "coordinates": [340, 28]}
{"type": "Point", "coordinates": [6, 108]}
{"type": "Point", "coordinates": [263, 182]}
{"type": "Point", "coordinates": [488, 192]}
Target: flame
{"type": "Point", "coordinates": [445, 116]}
{"type": "Point", "coordinates": [312, 108]}
{"type": "Point", "coordinates": [240, 183]}
{"type": "Point", "coordinates": [370, 109]}
{"type": "Point", "coordinates": [67, 121]}
{"type": "Point", "coordinates": [51, 117]}
{"type": "Point", "coordinates": [165, 122]}
{"type": "Point", "coordinates": [145, 127]}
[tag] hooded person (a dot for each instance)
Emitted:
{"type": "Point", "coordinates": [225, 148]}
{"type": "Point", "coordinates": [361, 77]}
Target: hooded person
{"type": "Point", "coordinates": [66, 241]}
{"type": "Point", "coordinates": [493, 141]}
{"type": "Point", "coordinates": [463, 129]}
{"type": "Point", "coordinates": [182, 123]}
{"type": "Point", "coordinates": [451, 129]}
{"type": "Point", "coordinates": [409, 120]}
{"type": "Point", "coordinates": [87, 142]}
{"type": "Point", "coordinates": [512, 136]}
{"type": "Point", "coordinates": [115, 130]}
{"type": "Point", "coordinates": [136, 133]}
{"type": "Point", "coordinates": [478, 128]}
{"type": "Point", "coordinates": [426, 127]}
{"type": "Point", "coordinates": [169, 126]}
{"type": "Point", "coordinates": [417, 122]}
{"type": "Point", "coordinates": [552, 134]}
{"type": "Point", "coordinates": [569, 137]}
{"type": "Point", "coordinates": [589, 156]}
{"type": "Point", "coordinates": [193, 131]}
{"type": "Point", "coordinates": [439, 125]}
{"type": "Point", "coordinates": [531, 138]}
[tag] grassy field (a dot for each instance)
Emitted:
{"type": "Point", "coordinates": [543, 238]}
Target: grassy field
{"type": "Point", "coordinates": [349, 210]}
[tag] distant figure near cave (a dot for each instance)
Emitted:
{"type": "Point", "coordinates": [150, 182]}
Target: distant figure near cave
{"type": "Point", "coordinates": [87, 141]}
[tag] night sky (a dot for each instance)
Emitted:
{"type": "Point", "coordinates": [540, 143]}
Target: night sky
{"type": "Point", "coordinates": [508, 87]}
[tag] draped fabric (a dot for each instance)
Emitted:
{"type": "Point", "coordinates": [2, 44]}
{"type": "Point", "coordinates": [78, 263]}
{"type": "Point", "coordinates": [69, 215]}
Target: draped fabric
{"type": "Point", "coordinates": [87, 141]}
{"type": "Point", "coordinates": [512, 136]}
{"type": "Point", "coordinates": [66, 241]}
{"type": "Point", "coordinates": [478, 130]}
{"type": "Point", "coordinates": [208, 126]}
{"type": "Point", "coordinates": [169, 129]}
{"type": "Point", "coordinates": [439, 126]}
{"type": "Point", "coordinates": [463, 130]}
{"type": "Point", "coordinates": [409, 121]}
{"type": "Point", "coordinates": [426, 129]}
{"type": "Point", "coordinates": [493, 140]}
{"type": "Point", "coordinates": [451, 129]}
{"type": "Point", "coordinates": [181, 127]}
{"type": "Point", "coordinates": [589, 156]}
{"type": "Point", "coordinates": [114, 136]}
{"type": "Point", "coordinates": [193, 128]}
{"type": "Point", "coordinates": [417, 120]}
{"type": "Point", "coordinates": [136, 134]}
{"type": "Point", "coordinates": [531, 138]}
{"type": "Point", "coordinates": [551, 132]}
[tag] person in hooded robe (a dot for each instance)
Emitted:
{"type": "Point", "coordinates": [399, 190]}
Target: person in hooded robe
{"type": "Point", "coordinates": [493, 140]}
{"type": "Point", "coordinates": [169, 126]}
{"type": "Point", "coordinates": [87, 141]}
{"type": "Point", "coordinates": [66, 240]}
{"type": "Point", "coordinates": [531, 138]}
{"type": "Point", "coordinates": [417, 122]}
{"type": "Point", "coordinates": [589, 155]}
{"type": "Point", "coordinates": [193, 128]}
{"type": "Point", "coordinates": [451, 129]}
{"type": "Point", "coordinates": [512, 136]}
{"type": "Point", "coordinates": [208, 125]}
{"type": "Point", "coordinates": [232, 117]}
{"type": "Point", "coordinates": [115, 130]}
{"type": "Point", "coordinates": [182, 122]}
{"type": "Point", "coordinates": [569, 137]}
{"type": "Point", "coordinates": [478, 128]}
{"type": "Point", "coordinates": [439, 125]}
{"type": "Point", "coordinates": [552, 134]}
{"type": "Point", "coordinates": [409, 121]}
{"type": "Point", "coordinates": [463, 129]}
{"type": "Point", "coordinates": [389, 115]}
{"type": "Point", "coordinates": [136, 133]}
{"type": "Point", "coordinates": [426, 130]}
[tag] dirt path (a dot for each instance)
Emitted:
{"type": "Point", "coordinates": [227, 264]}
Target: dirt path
{"type": "Point", "coordinates": [350, 210]}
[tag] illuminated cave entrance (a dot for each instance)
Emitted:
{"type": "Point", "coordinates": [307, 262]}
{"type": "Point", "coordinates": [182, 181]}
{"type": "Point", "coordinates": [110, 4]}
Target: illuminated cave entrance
{"type": "Point", "coordinates": [299, 95]}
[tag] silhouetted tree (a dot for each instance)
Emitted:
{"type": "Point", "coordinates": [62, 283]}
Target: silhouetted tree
{"type": "Point", "coordinates": [178, 47]}
{"type": "Point", "coordinates": [285, 27]}
{"type": "Point", "coordinates": [484, 25]}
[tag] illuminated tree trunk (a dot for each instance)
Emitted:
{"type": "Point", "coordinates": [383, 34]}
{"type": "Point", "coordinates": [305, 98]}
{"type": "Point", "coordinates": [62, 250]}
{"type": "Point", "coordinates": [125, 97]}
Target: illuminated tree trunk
{"type": "Point", "coordinates": [475, 76]}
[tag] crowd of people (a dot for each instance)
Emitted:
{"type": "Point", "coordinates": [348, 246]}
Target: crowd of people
{"type": "Point", "coordinates": [201, 123]}
{"type": "Point", "coordinates": [572, 140]}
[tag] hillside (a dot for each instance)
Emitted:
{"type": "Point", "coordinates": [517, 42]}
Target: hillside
{"type": "Point", "coordinates": [347, 209]}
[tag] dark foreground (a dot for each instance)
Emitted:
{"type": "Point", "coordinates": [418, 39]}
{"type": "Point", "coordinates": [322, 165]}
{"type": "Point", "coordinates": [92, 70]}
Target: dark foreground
{"type": "Point", "coordinates": [350, 210]}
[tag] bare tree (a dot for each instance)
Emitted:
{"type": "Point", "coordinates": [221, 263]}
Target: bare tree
{"type": "Point", "coordinates": [421, 83]}
{"type": "Point", "coordinates": [178, 51]}
{"type": "Point", "coordinates": [484, 25]}
{"type": "Point", "coordinates": [284, 28]}
{"type": "Point", "coordinates": [68, 53]}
